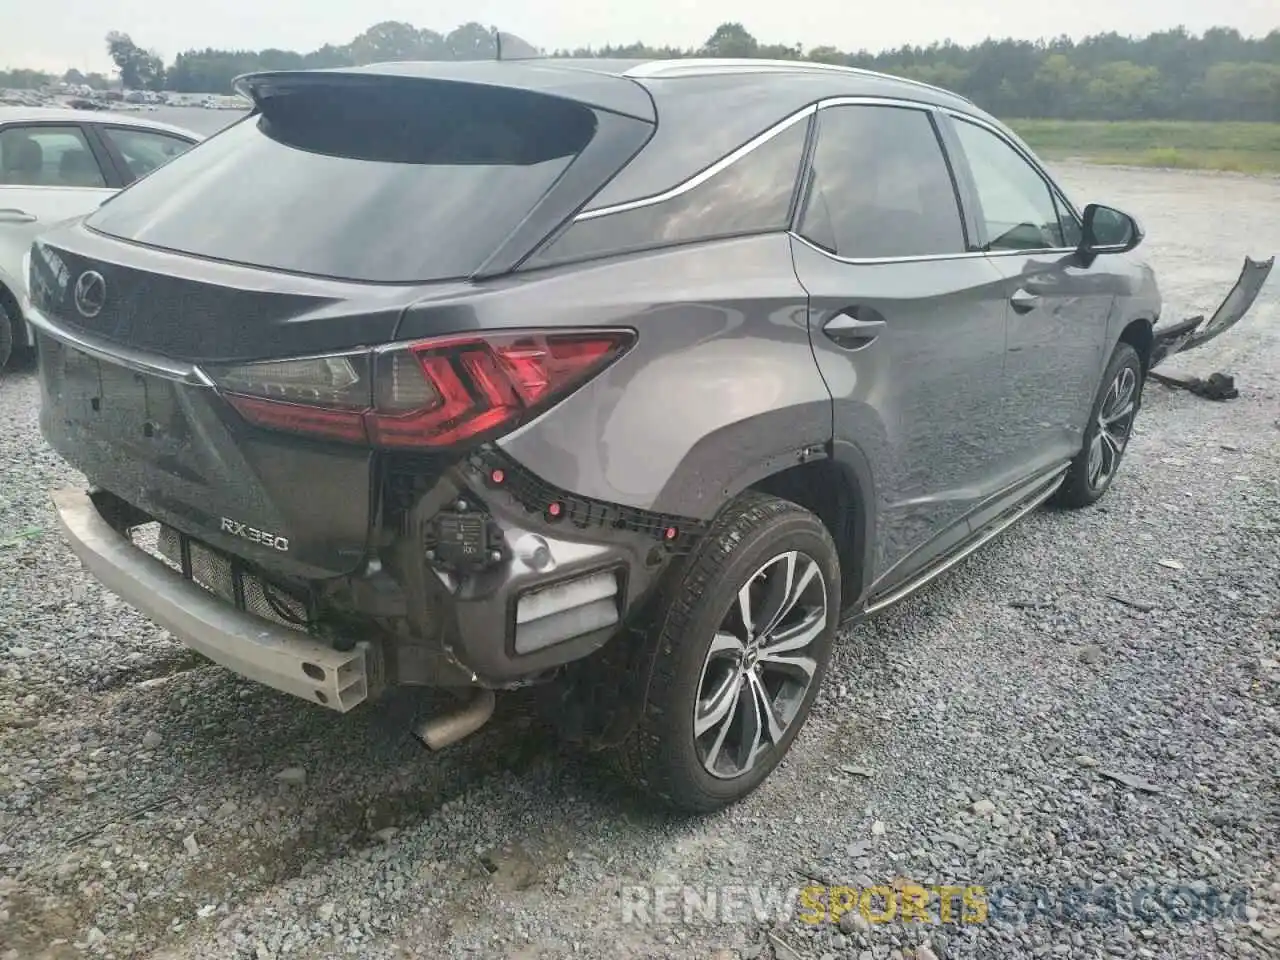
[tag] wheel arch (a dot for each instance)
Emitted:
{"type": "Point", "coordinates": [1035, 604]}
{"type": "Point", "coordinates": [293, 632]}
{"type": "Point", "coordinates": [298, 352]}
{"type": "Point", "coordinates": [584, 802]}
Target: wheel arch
{"type": "Point", "coordinates": [1139, 333]}
{"type": "Point", "coordinates": [13, 310]}
{"type": "Point", "coordinates": [837, 488]}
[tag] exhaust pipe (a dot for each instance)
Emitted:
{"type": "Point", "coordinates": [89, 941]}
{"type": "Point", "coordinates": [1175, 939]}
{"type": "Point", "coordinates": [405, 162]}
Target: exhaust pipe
{"type": "Point", "coordinates": [436, 733]}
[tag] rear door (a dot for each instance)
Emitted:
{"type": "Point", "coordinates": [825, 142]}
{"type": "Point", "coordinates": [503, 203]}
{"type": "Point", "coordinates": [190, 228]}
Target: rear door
{"type": "Point", "coordinates": [1058, 306]}
{"type": "Point", "coordinates": [908, 326]}
{"type": "Point", "coordinates": [48, 172]}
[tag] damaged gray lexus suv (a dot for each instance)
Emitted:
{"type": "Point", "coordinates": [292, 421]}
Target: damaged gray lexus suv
{"type": "Point", "coordinates": [633, 380]}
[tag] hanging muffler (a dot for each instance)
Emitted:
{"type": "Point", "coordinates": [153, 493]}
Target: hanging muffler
{"type": "Point", "coordinates": [436, 733]}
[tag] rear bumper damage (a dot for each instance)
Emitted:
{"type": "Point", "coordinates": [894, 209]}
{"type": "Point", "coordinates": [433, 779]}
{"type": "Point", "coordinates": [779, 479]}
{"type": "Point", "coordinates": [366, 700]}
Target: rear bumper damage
{"type": "Point", "coordinates": [251, 646]}
{"type": "Point", "coordinates": [490, 580]}
{"type": "Point", "coordinates": [1196, 331]}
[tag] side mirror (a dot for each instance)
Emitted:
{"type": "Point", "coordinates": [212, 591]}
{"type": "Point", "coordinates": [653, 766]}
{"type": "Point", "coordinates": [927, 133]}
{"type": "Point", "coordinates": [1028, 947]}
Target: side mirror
{"type": "Point", "coordinates": [1108, 230]}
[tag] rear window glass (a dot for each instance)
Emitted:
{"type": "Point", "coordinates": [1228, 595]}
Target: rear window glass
{"type": "Point", "coordinates": [405, 182]}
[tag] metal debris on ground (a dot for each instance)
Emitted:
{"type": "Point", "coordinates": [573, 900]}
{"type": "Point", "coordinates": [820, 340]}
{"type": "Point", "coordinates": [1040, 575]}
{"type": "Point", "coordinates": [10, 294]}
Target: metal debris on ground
{"type": "Point", "coordinates": [1219, 386]}
{"type": "Point", "coordinates": [1138, 605]}
{"type": "Point", "coordinates": [1132, 782]}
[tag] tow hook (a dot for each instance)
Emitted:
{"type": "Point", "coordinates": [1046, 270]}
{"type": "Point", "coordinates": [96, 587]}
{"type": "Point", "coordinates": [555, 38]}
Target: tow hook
{"type": "Point", "coordinates": [436, 733]}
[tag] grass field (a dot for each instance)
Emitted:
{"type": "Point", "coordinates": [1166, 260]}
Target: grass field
{"type": "Point", "coordinates": [1242, 147]}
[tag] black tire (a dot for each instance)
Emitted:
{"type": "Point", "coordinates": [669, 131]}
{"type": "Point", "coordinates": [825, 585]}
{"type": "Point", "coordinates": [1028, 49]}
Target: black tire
{"type": "Point", "coordinates": [1085, 485]}
{"type": "Point", "coordinates": [661, 755]}
{"type": "Point", "coordinates": [6, 336]}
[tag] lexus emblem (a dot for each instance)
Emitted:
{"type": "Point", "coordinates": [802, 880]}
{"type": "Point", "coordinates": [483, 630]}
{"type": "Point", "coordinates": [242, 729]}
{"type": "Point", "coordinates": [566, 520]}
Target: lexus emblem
{"type": "Point", "coordinates": [91, 293]}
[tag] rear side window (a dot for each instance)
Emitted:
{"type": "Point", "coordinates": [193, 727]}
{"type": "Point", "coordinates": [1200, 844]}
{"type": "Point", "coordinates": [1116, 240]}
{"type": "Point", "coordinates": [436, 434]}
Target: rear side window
{"type": "Point", "coordinates": [47, 156]}
{"type": "Point", "coordinates": [144, 150]}
{"type": "Point", "coordinates": [881, 187]}
{"type": "Point", "coordinates": [753, 194]}
{"type": "Point", "coordinates": [398, 182]}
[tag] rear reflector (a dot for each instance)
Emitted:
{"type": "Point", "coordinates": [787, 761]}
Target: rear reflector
{"type": "Point", "coordinates": [566, 610]}
{"type": "Point", "coordinates": [434, 393]}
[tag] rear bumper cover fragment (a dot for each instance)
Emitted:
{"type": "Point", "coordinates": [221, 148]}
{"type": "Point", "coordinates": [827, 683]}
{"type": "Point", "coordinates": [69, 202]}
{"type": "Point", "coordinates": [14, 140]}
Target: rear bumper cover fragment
{"type": "Point", "coordinates": [255, 648]}
{"type": "Point", "coordinates": [1196, 331]}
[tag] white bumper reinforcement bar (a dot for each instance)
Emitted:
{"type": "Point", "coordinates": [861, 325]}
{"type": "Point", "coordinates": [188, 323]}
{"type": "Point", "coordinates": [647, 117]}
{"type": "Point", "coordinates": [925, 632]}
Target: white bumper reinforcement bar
{"type": "Point", "coordinates": [251, 646]}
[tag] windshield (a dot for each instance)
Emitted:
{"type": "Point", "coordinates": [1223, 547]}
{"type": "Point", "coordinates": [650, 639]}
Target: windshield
{"type": "Point", "coordinates": [404, 182]}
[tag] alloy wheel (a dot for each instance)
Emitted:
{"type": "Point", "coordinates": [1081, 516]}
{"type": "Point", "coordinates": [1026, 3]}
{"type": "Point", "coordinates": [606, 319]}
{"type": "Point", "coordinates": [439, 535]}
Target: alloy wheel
{"type": "Point", "coordinates": [1115, 421]}
{"type": "Point", "coordinates": [760, 665]}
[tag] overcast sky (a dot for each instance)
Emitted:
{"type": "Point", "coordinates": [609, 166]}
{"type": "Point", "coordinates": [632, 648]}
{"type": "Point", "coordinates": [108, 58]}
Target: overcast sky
{"type": "Point", "coordinates": [55, 34]}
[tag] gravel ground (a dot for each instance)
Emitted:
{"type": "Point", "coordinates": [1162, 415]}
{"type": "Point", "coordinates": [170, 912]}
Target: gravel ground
{"type": "Point", "coordinates": [152, 806]}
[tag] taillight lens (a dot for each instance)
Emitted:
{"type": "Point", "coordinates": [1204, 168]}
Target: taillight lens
{"type": "Point", "coordinates": [430, 394]}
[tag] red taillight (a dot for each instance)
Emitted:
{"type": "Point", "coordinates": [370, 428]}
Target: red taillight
{"type": "Point", "coordinates": [430, 394]}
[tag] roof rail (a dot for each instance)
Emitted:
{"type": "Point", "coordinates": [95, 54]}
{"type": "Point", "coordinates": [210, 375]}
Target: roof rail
{"type": "Point", "coordinates": [692, 66]}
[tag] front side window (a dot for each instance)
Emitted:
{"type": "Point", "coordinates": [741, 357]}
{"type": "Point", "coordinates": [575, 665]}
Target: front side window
{"type": "Point", "coordinates": [751, 195]}
{"type": "Point", "coordinates": [47, 156]}
{"type": "Point", "coordinates": [144, 150]}
{"type": "Point", "coordinates": [1017, 206]}
{"type": "Point", "coordinates": [881, 188]}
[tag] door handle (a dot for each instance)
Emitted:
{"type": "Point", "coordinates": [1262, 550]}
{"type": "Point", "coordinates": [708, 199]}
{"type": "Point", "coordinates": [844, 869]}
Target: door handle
{"type": "Point", "coordinates": [846, 330]}
{"type": "Point", "coordinates": [12, 215]}
{"type": "Point", "coordinates": [1023, 302]}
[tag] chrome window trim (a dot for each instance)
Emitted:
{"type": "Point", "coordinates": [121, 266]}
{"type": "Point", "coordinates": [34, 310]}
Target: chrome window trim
{"type": "Point", "coordinates": [871, 261]}
{"type": "Point", "coordinates": [928, 257]}
{"type": "Point", "coordinates": [54, 186]}
{"type": "Point", "coordinates": [843, 101]}
{"type": "Point", "coordinates": [751, 145]}
{"type": "Point", "coordinates": [704, 175]}
{"type": "Point", "coordinates": [829, 102]}
{"type": "Point", "coordinates": [706, 66]}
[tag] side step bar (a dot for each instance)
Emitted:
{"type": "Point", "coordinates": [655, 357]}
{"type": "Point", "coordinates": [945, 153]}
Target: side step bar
{"type": "Point", "coordinates": [950, 560]}
{"type": "Point", "coordinates": [251, 646]}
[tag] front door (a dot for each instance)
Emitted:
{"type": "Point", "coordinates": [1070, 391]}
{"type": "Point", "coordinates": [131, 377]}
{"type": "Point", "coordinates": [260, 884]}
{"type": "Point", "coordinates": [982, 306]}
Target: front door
{"type": "Point", "coordinates": [907, 325]}
{"type": "Point", "coordinates": [1058, 307]}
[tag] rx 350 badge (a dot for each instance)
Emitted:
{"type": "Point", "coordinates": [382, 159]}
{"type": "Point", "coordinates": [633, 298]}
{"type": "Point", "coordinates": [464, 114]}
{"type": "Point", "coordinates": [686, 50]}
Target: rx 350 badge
{"type": "Point", "coordinates": [254, 535]}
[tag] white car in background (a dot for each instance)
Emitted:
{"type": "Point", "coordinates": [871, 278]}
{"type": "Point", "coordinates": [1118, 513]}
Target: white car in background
{"type": "Point", "coordinates": [57, 164]}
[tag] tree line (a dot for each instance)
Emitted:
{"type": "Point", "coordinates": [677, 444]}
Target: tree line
{"type": "Point", "coordinates": [1172, 74]}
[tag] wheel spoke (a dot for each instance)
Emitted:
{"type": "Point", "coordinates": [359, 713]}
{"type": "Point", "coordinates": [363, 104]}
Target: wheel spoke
{"type": "Point", "coordinates": [764, 703]}
{"type": "Point", "coordinates": [1095, 459]}
{"type": "Point", "coordinates": [1112, 396]}
{"type": "Point", "coordinates": [718, 706]}
{"type": "Point", "coordinates": [726, 723]}
{"type": "Point", "coordinates": [795, 637]}
{"type": "Point", "coordinates": [751, 740]}
{"type": "Point", "coordinates": [1126, 386]}
{"type": "Point", "coordinates": [797, 668]}
{"type": "Point", "coordinates": [724, 644]}
{"type": "Point", "coordinates": [744, 608]}
{"type": "Point", "coordinates": [713, 751]}
{"type": "Point", "coordinates": [795, 587]}
{"type": "Point", "coordinates": [778, 578]}
{"type": "Point", "coordinates": [1118, 415]}
{"type": "Point", "coordinates": [1110, 452]}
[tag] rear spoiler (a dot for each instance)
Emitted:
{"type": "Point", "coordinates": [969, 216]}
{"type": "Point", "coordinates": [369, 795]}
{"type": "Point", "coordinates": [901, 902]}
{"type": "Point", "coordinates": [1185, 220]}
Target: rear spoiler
{"type": "Point", "coordinates": [1196, 332]}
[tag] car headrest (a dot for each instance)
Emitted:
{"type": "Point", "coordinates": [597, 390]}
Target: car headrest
{"type": "Point", "coordinates": [23, 155]}
{"type": "Point", "coordinates": [78, 168]}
